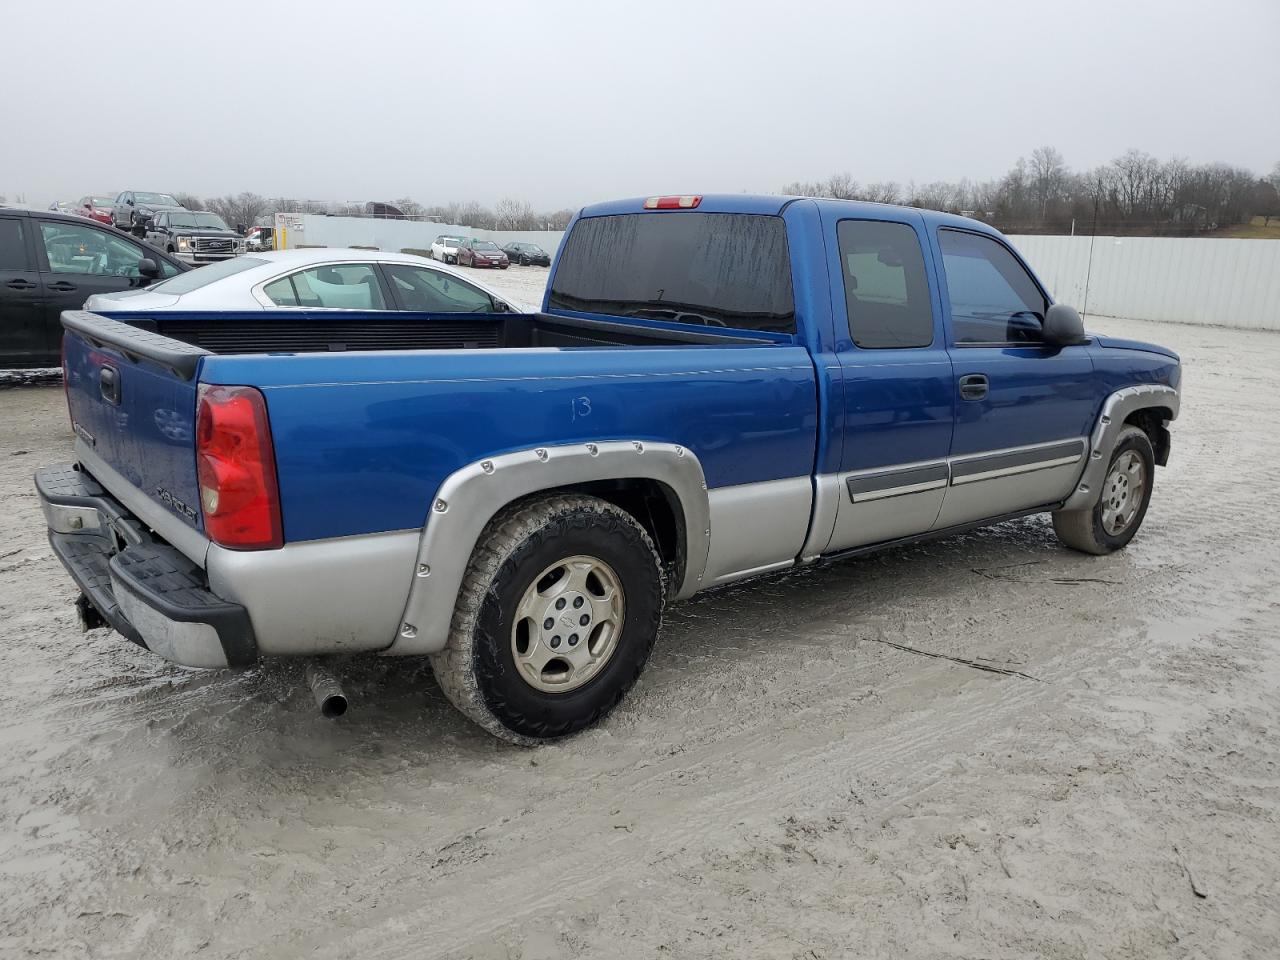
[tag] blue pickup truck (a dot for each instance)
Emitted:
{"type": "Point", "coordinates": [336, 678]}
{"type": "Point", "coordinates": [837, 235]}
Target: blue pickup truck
{"type": "Point", "coordinates": [717, 387]}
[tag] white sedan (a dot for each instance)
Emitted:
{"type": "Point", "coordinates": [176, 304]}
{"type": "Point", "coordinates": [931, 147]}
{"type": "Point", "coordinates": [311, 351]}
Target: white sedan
{"type": "Point", "coordinates": [445, 249]}
{"type": "Point", "coordinates": [319, 279]}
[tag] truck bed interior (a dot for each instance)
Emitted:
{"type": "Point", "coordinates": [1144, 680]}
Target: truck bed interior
{"type": "Point", "coordinates": [230, 333]}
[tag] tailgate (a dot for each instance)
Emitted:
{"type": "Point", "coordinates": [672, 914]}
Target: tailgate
{"type": "Point", "coordinates": [132, 398]}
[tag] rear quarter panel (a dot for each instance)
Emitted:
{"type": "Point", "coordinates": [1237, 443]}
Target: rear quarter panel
{"type": "Point", "coordinates": [363, 441]}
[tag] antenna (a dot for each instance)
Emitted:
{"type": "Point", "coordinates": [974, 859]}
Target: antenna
{"type": "Point", "coordinates": [1088, 273]}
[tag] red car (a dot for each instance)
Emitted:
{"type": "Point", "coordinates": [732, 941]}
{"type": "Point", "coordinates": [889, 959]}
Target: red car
{"type": "Point", "coordinates": [481, 253]}
{"type": "Point", "coordinates": [96, 208]}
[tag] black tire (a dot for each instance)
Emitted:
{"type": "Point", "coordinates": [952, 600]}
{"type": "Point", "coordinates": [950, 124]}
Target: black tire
{"type": "Point", "coordinates": [1084, 529]}
{"type": "Point", "coordinates": [477, 670]}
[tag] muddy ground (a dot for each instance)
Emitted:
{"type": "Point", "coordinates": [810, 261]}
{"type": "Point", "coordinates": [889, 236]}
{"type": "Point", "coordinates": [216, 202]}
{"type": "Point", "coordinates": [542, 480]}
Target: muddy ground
{"type": "Point", "coordinates": [785, 781]}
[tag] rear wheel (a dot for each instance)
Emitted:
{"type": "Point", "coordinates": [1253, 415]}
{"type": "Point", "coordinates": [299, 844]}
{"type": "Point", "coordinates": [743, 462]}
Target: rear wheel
{"type": "Point", "coordinates": [1119, 506]}
{"type": "Point", "coordinates": [561, 604]}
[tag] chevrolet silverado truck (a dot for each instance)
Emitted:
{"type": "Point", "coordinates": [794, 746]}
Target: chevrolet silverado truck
{"type": "Point", "coordinates": [717, 387]}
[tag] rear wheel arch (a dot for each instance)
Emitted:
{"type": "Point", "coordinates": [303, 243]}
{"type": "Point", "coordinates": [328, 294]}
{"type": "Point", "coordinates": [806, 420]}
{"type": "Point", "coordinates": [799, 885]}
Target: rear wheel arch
{"type": "Point", "coordinates": [653, 504]}
{"type": "Point", "coordinates": [661, 485]}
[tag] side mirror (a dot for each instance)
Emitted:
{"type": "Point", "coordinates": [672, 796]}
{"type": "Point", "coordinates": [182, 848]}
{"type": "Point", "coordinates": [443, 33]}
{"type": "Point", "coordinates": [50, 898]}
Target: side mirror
{"type": "Point", "coordinates": [148, 269]}
{"type": "Point", "coordinates": [500, 307]}
{"type": "Point", "coordinates": [1063, 326]}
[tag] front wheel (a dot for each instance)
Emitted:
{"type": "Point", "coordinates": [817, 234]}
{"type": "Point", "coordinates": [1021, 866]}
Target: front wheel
{"type": "Point", "coordinates": [1118, 508]}
{"type": "Point", "coordinates": [560, 606]}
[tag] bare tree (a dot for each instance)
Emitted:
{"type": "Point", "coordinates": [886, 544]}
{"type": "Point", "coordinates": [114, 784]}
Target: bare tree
{"type": "Point", "coordinates": [512, 214]}
{"type": "Point", "coordinates": [1048, 175]}
{"type": "Point", "coordinates": [933, 196]}
{"type": "Point", "coordinates": [410, 207]}
{"type": "Point", "coordinates": [882, 192]}
{"type": "Point", "coordinates": [189, 200]}
{"type": "Point", "coordinates": [241, 210]}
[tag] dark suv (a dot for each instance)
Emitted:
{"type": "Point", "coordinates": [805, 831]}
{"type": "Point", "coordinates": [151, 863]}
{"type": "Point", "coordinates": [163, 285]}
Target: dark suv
{"type": "Point", "coordinates": [50, 262]}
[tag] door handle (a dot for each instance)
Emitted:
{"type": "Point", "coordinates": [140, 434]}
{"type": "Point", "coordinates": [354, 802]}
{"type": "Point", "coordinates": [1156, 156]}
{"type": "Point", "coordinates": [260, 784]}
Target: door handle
{"type": "Point", "coordinates": [974, 386]}
{"type": "Point", "coordinates": [62, 286]}
{"type": "Point", "coordinates": [20, 284]}
{"type": "Point", "coordinates": [109, 385]}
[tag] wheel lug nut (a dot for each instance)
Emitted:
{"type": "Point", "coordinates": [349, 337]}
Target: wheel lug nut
{"type": "Point", "coordinates": [560, 604]}
{"type": "Point", "coordinates": [573, 639]}
{"type": "Point", "coordinates": [555, 642]}
{"type": "Point", "coordinates": [548, 623]}
{"type": "Point", "coordinates": [584, 620]}
{"type": "Point", "coordinates": [577, 602]}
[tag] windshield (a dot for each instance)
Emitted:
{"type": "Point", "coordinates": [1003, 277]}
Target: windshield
{"type": "Point", "coordinates": [102, 201]}
{"type": "Point", "coordinates": [447, 241]}
{"type": "Point", "coordinates": [159, 199]}
{"type": "Point", "coordinates": [484, 245]}
{"type": "Point", "coordinates": [194, 280]}
{"type": "Point", "coordinates": [199, 221]}
{"type": "Point", "coordinates": [716, 269]}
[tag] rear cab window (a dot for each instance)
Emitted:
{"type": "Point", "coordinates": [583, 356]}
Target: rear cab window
{"type": "Point", "coordinates": [709, 269]}
{"type": "Point", "coordinates": [886, 288]}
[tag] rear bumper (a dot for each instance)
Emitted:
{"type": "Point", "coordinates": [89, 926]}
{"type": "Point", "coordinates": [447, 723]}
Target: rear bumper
{"type": "Point", "coordinates": [145, 589]}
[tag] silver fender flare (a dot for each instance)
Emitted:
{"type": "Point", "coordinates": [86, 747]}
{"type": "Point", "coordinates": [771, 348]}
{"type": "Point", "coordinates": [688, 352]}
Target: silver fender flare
{"type": "Point", "coordinates": [470, 497]}
{"type": "Point", "coordinates": [1115, 409]}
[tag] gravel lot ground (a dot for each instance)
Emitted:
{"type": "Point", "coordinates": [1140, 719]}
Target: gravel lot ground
{"type": "Point", "coordinates": [783, 782]}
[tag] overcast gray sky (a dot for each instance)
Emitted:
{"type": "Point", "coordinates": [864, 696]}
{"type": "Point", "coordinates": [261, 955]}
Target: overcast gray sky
{"type": "Point", "coordinates": [563, 102]}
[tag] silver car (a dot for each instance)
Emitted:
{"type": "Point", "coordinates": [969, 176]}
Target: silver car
{"type": "Point", "coordinates": [321, 279]}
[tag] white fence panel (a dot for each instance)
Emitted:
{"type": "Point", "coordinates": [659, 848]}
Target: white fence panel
{"type": "Point", "coordinates": [1232, 283]}
{"type": "Point", "coordinates": [406, 234]}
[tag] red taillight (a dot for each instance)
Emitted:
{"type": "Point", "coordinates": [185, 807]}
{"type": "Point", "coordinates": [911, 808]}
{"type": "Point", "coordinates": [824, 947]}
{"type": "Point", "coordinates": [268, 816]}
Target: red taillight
{"type": "Point", "coordinates": [672, 203]}
{"type": "Point", "coordinates": [236, 466]}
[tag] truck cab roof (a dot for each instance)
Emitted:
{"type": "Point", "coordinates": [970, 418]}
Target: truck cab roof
{"type": "Point", "coordinates": [774, 204]}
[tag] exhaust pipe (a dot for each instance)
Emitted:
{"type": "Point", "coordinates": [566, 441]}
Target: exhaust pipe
{"type": "Point", "coordinates": [326, 690]}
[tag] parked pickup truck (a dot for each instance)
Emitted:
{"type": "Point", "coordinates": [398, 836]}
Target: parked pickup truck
{"type": "Point", "coordinates": [195, 236]}
{"type": "Point", "coordinates": [717, 387]}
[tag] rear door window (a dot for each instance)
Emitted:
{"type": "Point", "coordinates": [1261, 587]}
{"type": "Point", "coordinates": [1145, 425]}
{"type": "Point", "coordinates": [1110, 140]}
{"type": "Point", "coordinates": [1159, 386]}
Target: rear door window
{"type": "Point", "coordinates": [430, 291]}
{"type": "Point", "coordinates": [342, 286]}
{"type": "Point", "coordinates": [13, 246]}
{"type": "Point", "coordinates": [713, 269]}
{"type": "Point", "coordinates": [886, 289]}
{"type": "Point", "coordinates": [993, 298]}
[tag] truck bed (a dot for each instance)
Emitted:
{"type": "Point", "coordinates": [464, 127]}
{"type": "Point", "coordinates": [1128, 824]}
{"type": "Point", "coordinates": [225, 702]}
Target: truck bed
{"type": "Point", "coordinates": [343, 331]}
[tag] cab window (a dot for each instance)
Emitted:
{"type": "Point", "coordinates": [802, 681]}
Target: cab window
{"type": "Point", "coordinates": [71, 248]}
{"type": "Point", "coordinates": [343, 286]}
{"type": "Point", "coordinates": [430, 291]}
{"type": "Point", "coordinates": [993, 298]}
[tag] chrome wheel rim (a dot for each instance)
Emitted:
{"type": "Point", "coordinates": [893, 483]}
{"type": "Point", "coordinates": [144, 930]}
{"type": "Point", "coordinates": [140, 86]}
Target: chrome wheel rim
{"type": "Point", "coordinates": [1123, 492]}
{"type": "Point", "coordinates": [567, 624]}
